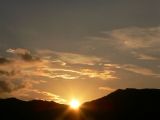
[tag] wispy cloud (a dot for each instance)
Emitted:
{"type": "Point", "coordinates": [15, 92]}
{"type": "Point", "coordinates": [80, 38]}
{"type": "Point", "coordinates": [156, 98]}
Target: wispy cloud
{"type": "Point", "coordinates": [136, 38]}
{"type": "Point", "coordinates": [139, 70]}
{"type": "Point", "coordinates": [71, 58]}
{"type": "Point", "coordinates": [144, 41]}
{"type": "Point", "coordinates": [30, 94]}
{"type": "Point", "coordinates": [134, 68]}
{"type": "Point", "coordinates": [106, 89]}
{"type": "Point", "coordinates": [22, 70]}
{"type": "Point", "coordinates": [48, 65]}
{"type": "Point", "coordinates": [69, 74]}
{"type": "Point", "coordinates": [104, 74]}
{"type": "Point", "coordinates": [17, 76]}
{"type": "Point", "coordinates": [143, 56]}
{"type": "Point", "coordinates": [130, 49]}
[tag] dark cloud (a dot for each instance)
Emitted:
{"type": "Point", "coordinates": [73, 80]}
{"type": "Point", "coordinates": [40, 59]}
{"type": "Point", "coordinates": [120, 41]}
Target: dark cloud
{"type": "Point", "coordinates": [8, 85]}
{"type": "Point", "coordinates": [5, 86]}
{"type": "Point", "coordinates": [24, 54]}
{"type": "Point", "coordinates": [7, 73]}
{"type": "Point", "coordinates": [4, 60]}
{"type": "Point", "coordinates": [13, 75]}
{"type": "Point", "coordinates": [2, 72]}
{"type": "Point", "coordinates": [29, 57]}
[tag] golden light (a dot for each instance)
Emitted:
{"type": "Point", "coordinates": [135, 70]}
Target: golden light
{"type": "Point", "coordinates": [74, 104]}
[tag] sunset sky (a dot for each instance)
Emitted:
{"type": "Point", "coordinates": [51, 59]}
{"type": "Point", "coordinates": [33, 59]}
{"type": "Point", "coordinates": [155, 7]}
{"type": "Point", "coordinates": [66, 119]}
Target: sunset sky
{"type": "Point", "coordinates": [84, 49]}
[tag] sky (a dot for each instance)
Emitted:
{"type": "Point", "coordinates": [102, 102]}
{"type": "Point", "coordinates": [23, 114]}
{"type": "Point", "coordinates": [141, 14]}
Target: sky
{"type": "Point", "coordinates": [84, 49]}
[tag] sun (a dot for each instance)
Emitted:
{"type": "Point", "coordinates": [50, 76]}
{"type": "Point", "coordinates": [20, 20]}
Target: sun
{"type": "Point", "coordinates": [74, 104]}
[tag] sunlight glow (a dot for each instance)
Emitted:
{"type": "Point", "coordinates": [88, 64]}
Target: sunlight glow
{"type": "Point", "coordinates": [74, 104]}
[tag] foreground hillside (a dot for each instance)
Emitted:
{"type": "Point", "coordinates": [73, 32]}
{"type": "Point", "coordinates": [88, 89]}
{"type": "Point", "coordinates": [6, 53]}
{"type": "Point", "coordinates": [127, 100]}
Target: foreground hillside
{"type": "Point", "coordinates": [128, 104]}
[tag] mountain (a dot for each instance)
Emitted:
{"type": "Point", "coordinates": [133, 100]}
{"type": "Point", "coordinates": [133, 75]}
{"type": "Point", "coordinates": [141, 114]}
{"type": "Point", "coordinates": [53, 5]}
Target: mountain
{"type": "Point", "coordinates": [127, 104]}
{"type": "Point", "coordinates": [13, 108]}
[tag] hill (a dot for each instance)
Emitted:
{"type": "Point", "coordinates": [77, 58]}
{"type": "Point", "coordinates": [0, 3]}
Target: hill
{"type": "Point", "coordinates": [128, 104]}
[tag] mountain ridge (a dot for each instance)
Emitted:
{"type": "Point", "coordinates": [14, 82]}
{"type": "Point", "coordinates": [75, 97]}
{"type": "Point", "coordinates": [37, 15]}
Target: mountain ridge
{"type": "Point", "coordinates": [123, 104]}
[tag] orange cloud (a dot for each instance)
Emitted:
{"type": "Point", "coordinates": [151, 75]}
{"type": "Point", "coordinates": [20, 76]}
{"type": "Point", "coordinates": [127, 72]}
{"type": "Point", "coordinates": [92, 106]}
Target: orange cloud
{"type": "Point", "coordinates": [31, 94]}
{"type": "Point", "coordinates": [104, 75]}
{"type": "Point", "coordinates": [71, 58]}
{"type": "Point", "coordinates": [106, 89]}
{"type": "Point", "coordinates": [139, 70]}
{"type": "Point", "coordinates": [19, 74]}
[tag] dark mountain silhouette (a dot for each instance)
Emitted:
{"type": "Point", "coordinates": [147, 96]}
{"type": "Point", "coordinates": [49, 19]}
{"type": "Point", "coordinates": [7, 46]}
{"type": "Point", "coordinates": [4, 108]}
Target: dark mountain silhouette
{"type": "Point", "coordinates": [128, 104]}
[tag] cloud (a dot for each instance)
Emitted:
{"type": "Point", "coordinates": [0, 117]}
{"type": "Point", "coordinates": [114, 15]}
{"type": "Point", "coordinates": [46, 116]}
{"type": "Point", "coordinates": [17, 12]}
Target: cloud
{"type": "Point", "coordinates": [106, 89]}
{"type": "Point", "coordinates": [71, 58]}
{"type": "Point", "coordinates": [147, 57]}
{"type": "Point", "coordinates": [139, 70]}
{"type": "Point", "coordinates": [134, 49]}
{"type": "Point", "coordinates": [78, 59]}
{"type": "Point", "coordinates": [104, 74]}
{"type": "Point", "coordinates": [136, 38]}
{"type": "Point", "coordinates": [143, 56]}
{"type": "Point", "coordinates": [5, 86]}
{"type": "Point", "coordinates": [4, 60]}
{"type": "Point", "coordinates": [73, 66]}
{"type": "Point", "coordinates": [43, 95]}
{"type": "Point", "coordinates": [7, 73]}
{"type": "Point", "coordinates": [142, 42]}
{"type": "Point", "coordinates": [14, 73]}
{"type": "Point", "coordinates": [53, 65]}
{"type": "Point", "coordinates": [72, 74]}
{"type": "Point", "coordinates": [23, 89]}
{"type": "Point", "coordinates": [112, 65]}
{"type": "Point", "coordinates": [24, 72]}
{"type": "Point", "coordinates": [133, 68]}
{"type": "Point", "coordinates": [30, 94]}
{"type": "Point", "coordinates": [8, 85]}
{"type": "Point", "coordinates": [21, 75]}
{"type": "Point", "coordinates": [24, 54]}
